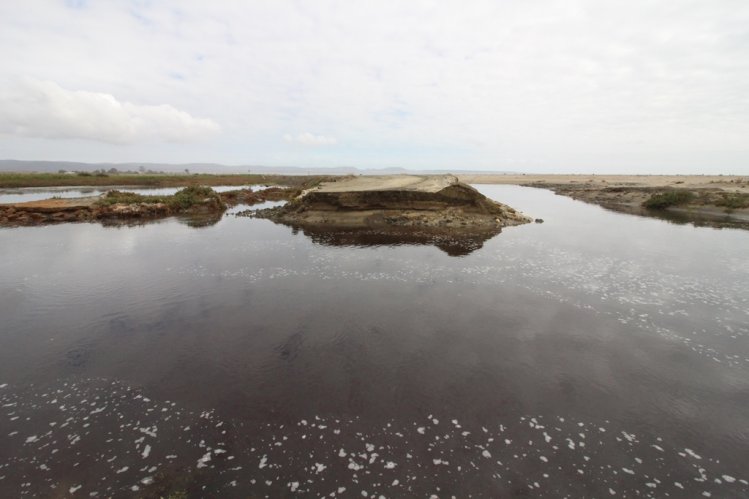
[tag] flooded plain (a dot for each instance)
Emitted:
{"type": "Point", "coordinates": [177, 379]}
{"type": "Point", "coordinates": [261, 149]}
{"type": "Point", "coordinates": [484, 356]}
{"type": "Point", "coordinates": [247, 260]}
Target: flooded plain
{"type": "Point", "coordinates": [597, 354]}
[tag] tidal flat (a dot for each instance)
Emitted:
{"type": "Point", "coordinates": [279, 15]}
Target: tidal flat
{"type": "Point", "coordinates": [598, 354]}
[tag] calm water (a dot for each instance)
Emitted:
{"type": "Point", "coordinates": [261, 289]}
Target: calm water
{"type": "Point", "coordinates": [36, 194]}
{"type": "Point", "coordinates": [594, 355]}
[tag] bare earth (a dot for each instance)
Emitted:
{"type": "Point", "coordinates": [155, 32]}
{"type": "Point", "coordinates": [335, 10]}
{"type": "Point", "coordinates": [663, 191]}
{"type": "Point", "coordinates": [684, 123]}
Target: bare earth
{"type": "Point", "coordinates": [396, 209]}
{"type": "Point", "coordinates": [136, 210]}
{"type": "Point", "coordinates": [409, 183]}
{"type": "Point", "coordinates": [727, 182]}
{"type": "Point", "coordinates": [435, 201]}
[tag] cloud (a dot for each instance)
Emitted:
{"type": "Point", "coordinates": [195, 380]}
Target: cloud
{"type": "Point", "coordinates": [43, 109]}
{"type": "Point", "coordinates": [309, 139]}
{"type": "Point", "coordinates": [553, 85]}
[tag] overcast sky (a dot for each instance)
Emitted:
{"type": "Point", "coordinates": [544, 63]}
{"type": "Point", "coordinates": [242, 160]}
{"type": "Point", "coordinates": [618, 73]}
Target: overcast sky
{"type": "Point", "coordinates": [635, 86]}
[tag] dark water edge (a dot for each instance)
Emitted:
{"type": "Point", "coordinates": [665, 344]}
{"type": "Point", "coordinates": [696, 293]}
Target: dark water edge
{"type": "Point", "coordinates": [697, 218]}
{"type": "Point", "coordinates": [591, 354]}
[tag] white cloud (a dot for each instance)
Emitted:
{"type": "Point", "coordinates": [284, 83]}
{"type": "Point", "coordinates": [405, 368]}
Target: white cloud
{"type": "Point", "coordinates": [33, 108]}
{"type": "Point", "coordinates": [548, 85]}
{"type": "Point", "coordinates": [309, 139]}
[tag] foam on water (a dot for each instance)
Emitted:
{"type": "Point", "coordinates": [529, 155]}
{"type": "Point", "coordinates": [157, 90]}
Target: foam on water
{"type": "Point", "coordinates": [392, 458]}
{"type": "Point", "coordinates": [709, 317]}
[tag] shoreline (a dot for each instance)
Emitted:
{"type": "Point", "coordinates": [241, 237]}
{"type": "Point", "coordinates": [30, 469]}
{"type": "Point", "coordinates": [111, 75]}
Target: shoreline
{"type": "Point", "coordinates": [720, 201]}
{"type": "Point", "coordinates": [117, 207]}
{"type": "Point", "coordinates": [704, 200]}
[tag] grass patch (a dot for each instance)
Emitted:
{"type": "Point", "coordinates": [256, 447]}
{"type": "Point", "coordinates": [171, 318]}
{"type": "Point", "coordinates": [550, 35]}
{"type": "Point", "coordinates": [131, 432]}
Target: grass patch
{"type": "Point", "coordinates": [119, 197]}
{"type": "Point", "coordinates": [181, 200]}
{"type": "Point", "coordinates": [663, 200]}
{"type": "Point", "coordinates": [733, 201]}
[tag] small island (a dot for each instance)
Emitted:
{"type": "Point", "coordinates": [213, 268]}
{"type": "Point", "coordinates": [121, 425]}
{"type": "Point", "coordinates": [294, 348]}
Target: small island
{"type": "Point", "coordinates": [434, 210]}
{"type": "Point", "coordinates": [438, 202]}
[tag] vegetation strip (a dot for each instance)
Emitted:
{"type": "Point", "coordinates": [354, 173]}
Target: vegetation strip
{"type": "Point", "coordinates": [19, 180]}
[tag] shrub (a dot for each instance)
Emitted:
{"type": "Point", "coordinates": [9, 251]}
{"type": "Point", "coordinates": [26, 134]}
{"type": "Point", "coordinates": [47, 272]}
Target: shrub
{"type": "Point", "coordinates": [118, 197]}
{"type": "Point", "coordinates": [181, 200]}
{"type": "Point", "coordinates": [733, 201]}
{"type": "Point", "coordinates": [190, 196]}
{"type": "Point", "coordinates": [663, 200]}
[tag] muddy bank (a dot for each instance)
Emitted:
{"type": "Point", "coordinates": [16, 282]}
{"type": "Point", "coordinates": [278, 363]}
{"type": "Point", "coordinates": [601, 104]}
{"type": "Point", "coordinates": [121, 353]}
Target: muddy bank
{"type": "Point", "coordinates": [702, 200]}
{"type": "Point", "coordinates": [429, 203]}
{"type": "Point", "coordinates": [201, 204]}
{"type": "Point", "coordinates": [699, 205]}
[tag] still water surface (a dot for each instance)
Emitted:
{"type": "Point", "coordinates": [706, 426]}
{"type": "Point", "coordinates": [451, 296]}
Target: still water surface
{"type": "Point", "coordinates": [595, 355]}
{"type": "Point", "coordinates": [27, 194]}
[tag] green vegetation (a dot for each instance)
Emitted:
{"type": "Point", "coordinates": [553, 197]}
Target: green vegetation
{"type": "Point", "coordinates": [191, 196]}
{"type": "Point", "coordinates": [118, 197]}
{"type": "Point", "coordinates": [181, 200]}
{"type": "Point", "coordinates": [663, 200]}
{"type": "Point", "coordinates": [733, 201]}
{"type": "Point", "coordinates": [15, 180]}
{"type": "Point", "coordinates": [728, 200]}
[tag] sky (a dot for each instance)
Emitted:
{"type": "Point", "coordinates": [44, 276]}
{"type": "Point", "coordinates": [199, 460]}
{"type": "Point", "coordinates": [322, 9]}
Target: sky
{"type": "Point", "coordinates": [545, 86]}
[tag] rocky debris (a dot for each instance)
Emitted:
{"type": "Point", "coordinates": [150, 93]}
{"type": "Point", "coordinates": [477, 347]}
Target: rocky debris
{"type": "Point", "coordinates": [425, 202]}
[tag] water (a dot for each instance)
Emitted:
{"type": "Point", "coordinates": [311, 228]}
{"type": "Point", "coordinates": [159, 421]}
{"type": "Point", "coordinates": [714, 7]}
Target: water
{"type": "Point", "coordinates": [37, 194]}
{"type": "Point", "coordinates": [595, 355]}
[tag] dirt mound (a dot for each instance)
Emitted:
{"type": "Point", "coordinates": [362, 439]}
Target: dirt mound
{"type": "Point", "coordinates": [438, 202]}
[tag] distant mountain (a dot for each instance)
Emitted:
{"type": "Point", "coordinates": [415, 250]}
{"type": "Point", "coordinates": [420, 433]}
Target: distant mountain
{"type": "Point", "coordinates": [14, 165]}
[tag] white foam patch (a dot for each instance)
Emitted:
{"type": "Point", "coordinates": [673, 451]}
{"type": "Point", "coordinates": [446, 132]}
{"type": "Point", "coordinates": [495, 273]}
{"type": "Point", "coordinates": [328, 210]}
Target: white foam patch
{"type": "Point", "coordinates": [204, 460]}
{"type": "Point", "coordinates": [392, 460]}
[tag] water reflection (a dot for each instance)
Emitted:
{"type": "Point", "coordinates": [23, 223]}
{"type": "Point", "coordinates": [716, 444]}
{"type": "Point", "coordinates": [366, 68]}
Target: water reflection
{"type": "Point", "coordinates": [595, 354]}
{"type": "Point", "coordinates": [451, 242]}
{"type": "Point", "coordinates": [684, 217]}
{"type": "Point", "coordinates": [27, 194]}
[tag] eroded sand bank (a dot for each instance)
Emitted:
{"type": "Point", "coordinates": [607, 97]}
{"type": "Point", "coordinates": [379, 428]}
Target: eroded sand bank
{"type": "Point", "coordinates": [439, 202]}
